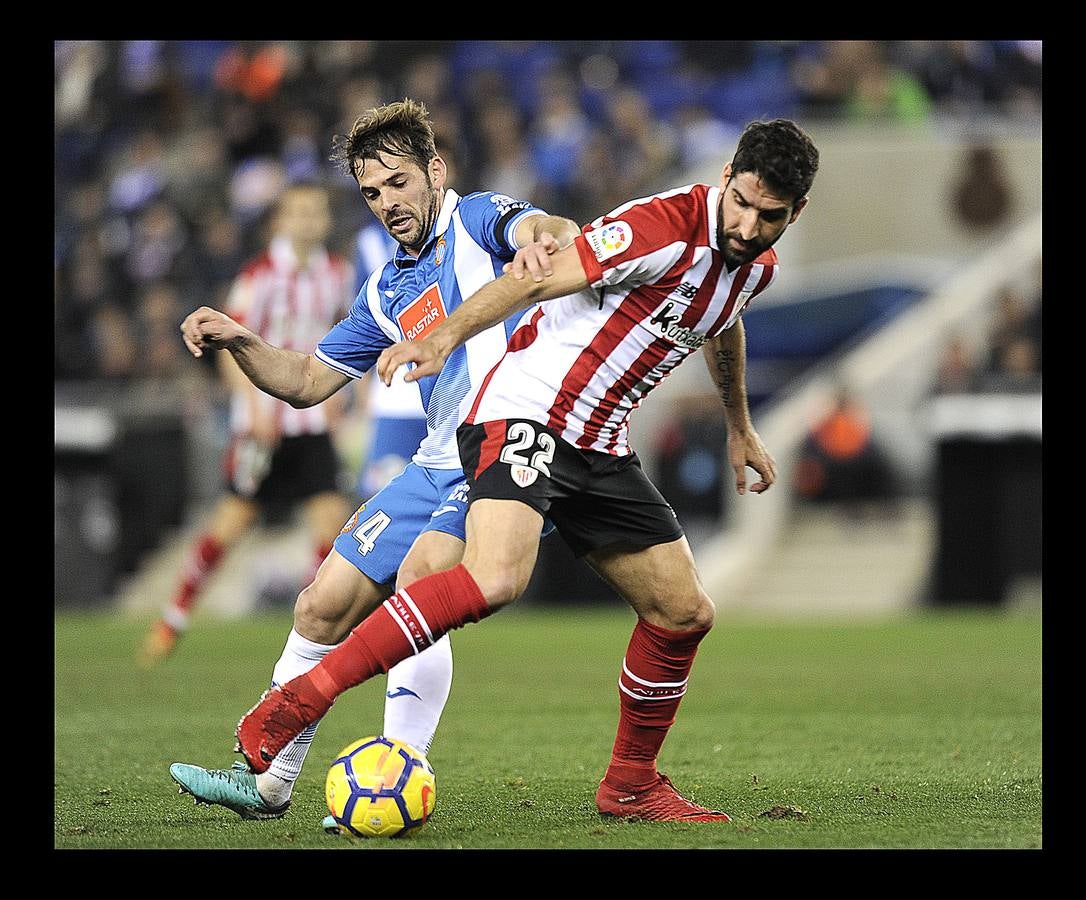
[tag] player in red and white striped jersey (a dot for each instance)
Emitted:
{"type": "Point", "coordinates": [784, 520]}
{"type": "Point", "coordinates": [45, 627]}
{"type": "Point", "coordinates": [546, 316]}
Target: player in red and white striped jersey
{"type": "Point", "coordinates": [636, 293]}
{"type": "Point", "coordinates": [290, 294]}
{"type": "Point", "coordinates": [659, 289]}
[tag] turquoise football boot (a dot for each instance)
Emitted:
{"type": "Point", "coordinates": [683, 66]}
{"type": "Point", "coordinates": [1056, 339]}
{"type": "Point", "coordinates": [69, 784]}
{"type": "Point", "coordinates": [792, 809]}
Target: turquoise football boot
{"type": "Point", "coordinates": [234, 788]}
{"type": "Point", "coordinates": [330, 825]}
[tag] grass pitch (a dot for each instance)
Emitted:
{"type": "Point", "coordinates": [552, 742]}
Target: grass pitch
{"type": "Point", "coordinates": [921, 732]}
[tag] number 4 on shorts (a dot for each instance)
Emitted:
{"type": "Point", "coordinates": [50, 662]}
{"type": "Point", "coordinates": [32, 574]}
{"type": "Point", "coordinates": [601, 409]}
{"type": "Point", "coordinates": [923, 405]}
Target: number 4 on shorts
{"type": "Point", "coordinates": [367, 533]}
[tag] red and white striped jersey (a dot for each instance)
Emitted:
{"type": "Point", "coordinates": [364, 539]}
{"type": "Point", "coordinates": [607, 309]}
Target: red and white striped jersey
{"type": "Point", "coordinates": [292, 308]}
{"type": "Point", "coordinates": [658, 289]}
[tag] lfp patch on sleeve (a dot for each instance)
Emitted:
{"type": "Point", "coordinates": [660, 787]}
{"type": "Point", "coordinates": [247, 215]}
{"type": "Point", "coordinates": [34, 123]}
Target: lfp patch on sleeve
{"type": "Point", "coordinates": [610, 239]}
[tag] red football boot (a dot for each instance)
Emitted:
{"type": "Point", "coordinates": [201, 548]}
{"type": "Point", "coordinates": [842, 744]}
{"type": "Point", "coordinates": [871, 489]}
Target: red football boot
{"type": "Point", "coordinates": [660, 803]}
{"type": "Point", "coordinates": [279, 716]}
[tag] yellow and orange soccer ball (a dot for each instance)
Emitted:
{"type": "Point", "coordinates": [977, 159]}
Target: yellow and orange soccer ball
{"type": "Point", "coordinates": [379, 787]}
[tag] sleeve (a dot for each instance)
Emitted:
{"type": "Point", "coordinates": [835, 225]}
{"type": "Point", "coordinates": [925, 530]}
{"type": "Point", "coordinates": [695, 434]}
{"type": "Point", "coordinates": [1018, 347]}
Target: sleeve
{"type": "Point", "coordinates": [355, 342]}
{"type": "Point", "coordinates": [493, 218]}
{"type": "Point", "coordinates": [637, 243]}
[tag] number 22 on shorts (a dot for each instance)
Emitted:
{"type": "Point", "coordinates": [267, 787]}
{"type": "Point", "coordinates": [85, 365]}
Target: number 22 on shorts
{"type": "Point", "coordinates": [525, 470]}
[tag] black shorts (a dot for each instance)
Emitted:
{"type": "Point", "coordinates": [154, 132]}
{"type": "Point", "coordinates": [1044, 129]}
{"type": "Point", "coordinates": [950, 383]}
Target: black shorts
{"type": "Point", "coordinates": [595, 500]}
{"type": "Point", "coordinates": [300, 467]}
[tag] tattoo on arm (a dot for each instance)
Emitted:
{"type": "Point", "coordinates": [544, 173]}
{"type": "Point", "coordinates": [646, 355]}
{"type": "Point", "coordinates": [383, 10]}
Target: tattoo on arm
{"type": "Point", "coordinates": [725, 361]}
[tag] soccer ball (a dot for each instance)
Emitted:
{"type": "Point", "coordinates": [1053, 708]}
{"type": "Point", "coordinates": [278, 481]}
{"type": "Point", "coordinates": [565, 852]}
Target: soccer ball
{"type": "Point", "coordinates": [379, 787]}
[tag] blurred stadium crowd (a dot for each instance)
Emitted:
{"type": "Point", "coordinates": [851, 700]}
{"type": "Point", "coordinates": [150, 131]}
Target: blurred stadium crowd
{"type": "Point", "coordinates": [168, 154]}
{"type": "Point", "coordinates": [1008, 360]}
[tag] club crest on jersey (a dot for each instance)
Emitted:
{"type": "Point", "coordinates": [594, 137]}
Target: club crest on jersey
{"type": "Point", "coordinates": [352, 521]}
{"type": "Point", "coordinates": [439, 251]}
{"type": "Point", "coordinates": [523, 475]}
{"type": "Point", "coordinates": [610, 240]}
{"type": "Point", "coordinates": [424, 315]}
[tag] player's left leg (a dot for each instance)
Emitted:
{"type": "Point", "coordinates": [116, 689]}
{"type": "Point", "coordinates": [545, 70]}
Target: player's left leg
{"type": "Point", "coordinates": [308, 474]}
{"type": "Point", "coordinates": [369, 550]}
{"type": "Point", "coordinates": [674, 614]}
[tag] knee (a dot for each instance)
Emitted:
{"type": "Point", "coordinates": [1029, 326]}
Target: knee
{"type": "Point", "coordinates": [499, 587]}
{"type": "Point", "coordinates": [317, 618]}
{"type": "Point", "coordinates": [412, 571]}
{"type": "Point", "coordinates": [696, 612]}
{"type": "Point", "coordinates": [705, 614]}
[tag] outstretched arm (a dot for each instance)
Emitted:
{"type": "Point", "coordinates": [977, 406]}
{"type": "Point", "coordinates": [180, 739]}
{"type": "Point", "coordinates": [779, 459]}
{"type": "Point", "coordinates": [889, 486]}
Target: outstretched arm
{"type": "Point", "coordinates": [539, 237]}
{"type": "Point", "coordinates": [298, 378]}
{"type": "Point", "coordinates": [726, 356]}
{"type": "Point", "coordinates": [493, 303]}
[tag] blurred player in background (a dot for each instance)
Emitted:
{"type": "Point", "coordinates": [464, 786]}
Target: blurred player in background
{"type": "Point", "coordinates": [291, 294]}
{"type": "Point", "coordinates": [448, 247]}
{"type": "Point", "coordinates": [638, 292]}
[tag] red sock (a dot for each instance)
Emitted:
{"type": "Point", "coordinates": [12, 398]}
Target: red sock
{"type": "Point", "coordinates": [200, 563]}
{"type": "Point", "coordinates": [407, 622]}
{"type": "Point", "coordinates": [650, 687]}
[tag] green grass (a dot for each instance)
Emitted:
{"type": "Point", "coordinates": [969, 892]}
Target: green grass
{"type": "Point", "coordinates": [922, 732]}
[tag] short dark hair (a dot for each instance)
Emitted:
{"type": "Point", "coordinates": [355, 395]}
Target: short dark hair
{"type": "Point", "coordinates": [781, 154]}
{"type": "Point", "coordinates": [400, 129]}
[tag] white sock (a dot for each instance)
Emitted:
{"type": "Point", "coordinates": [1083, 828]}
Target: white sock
{"type": "Point", "coordinates": [416, 693]}
{"type": "Point", "coordinates": [177, 619]}
{"type": "Point", "coordinates": [299, 656]}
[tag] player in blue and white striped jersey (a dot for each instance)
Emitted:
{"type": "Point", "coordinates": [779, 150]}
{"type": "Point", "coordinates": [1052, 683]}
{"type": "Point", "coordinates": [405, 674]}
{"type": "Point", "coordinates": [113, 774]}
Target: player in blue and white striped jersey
{"type": "Point", "coordinates": [449, 247]}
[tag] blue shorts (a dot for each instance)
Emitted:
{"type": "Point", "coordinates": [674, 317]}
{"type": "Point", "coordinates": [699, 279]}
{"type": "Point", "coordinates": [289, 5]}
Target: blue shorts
{"type": "Point", "coordinates": [376, 538]}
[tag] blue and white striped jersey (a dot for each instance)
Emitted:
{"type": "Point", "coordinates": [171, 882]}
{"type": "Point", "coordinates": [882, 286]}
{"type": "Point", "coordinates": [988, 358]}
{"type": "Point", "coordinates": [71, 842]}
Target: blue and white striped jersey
{"type": "Point", "coordinates": [400, 400]}
{"type": "Point", "coordinates": [471, 240]}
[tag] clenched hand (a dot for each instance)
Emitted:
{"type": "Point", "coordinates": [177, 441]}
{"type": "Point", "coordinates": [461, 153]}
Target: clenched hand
{"type": "Point", "coordinates": [209, 329]}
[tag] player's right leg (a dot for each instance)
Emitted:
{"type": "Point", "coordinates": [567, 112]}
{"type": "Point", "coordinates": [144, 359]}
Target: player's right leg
{"type": "Point", "coordinates": [418, 687]}
{"type": "Point", "coordinates": [339, 598]}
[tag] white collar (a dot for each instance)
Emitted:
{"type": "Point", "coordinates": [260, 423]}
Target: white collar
{"type": "Point", "coordinates": [712, 199]}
